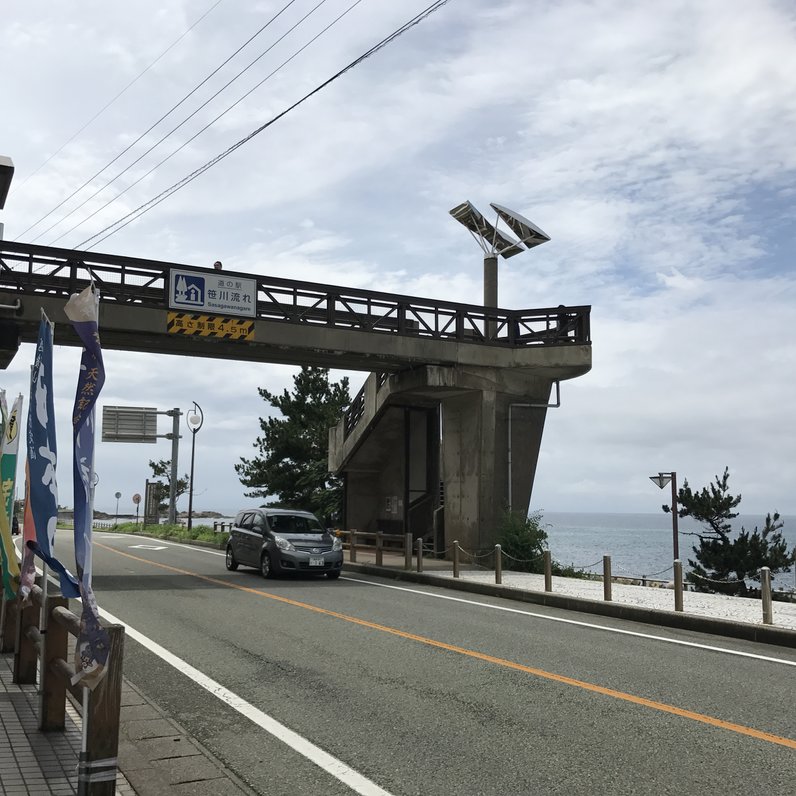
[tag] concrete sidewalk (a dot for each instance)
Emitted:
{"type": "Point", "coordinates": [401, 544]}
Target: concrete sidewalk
{"type": "Point", "coordinates": [156, 756]}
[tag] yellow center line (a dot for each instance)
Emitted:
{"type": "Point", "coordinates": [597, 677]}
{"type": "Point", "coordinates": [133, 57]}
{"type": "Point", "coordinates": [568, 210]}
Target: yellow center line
{"type": "Point", "coordinates": [430, 642]}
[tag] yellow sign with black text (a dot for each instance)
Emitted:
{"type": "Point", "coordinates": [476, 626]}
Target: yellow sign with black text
{"type": "Point", "coordinates": [210, 326]}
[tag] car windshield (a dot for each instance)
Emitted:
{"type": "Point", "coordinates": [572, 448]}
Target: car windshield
{"type": "Point", "coordinates": [294, 523]}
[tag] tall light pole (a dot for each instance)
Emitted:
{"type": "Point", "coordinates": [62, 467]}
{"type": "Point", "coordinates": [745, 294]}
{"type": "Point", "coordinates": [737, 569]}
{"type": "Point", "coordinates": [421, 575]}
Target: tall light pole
{"type": "Point", "coordinates": [661, 480]}
{"type": "Point", "coordinates": [195, 418]}
{"type": "Point", "coordinates": [493, 243]}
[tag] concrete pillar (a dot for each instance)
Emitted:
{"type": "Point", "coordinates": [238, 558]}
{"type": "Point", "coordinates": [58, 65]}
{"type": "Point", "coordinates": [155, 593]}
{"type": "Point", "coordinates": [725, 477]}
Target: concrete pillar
{"type": "Point", "coordinates": [475, 461]}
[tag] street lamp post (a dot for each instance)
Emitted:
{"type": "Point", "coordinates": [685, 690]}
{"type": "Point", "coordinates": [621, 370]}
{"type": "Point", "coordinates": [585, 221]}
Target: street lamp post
{"type": "Point", "coordinates": [493, 242]}
{"type": "Point", "coordinates": [661, 480]}
{"type": "Point", "coordinates": [195, 418]}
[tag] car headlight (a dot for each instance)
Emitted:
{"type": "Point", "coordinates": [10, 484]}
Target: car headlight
{"type": "Point", "coordinates": [283, 543]}
{"type": "Point", "coordinates": [337, 544]}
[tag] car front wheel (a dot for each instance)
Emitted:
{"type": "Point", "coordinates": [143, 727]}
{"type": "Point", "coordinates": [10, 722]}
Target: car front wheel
{"type": "Point", "coordinates": [230, 561]}
{"type": "Point", "coordinates": [333, 574]}
{"type": "Point", "coordinates": [266, 568]}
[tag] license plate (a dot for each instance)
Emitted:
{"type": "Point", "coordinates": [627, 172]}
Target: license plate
{"type": "Point", "coordinates": [316, 561]}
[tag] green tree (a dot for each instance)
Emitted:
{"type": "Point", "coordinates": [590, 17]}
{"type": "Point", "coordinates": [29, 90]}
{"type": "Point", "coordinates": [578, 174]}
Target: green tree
{"type": "Point", "coordinates": [291, 463]}
{"type": "Point", "coordinates": [726, 559]}
{"type": "Point", "coordinates": [162, 473]}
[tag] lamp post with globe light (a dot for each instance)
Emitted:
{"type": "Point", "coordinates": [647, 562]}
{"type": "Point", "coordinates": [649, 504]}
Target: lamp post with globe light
{"type": "Point", "coordinates": [195, 418]}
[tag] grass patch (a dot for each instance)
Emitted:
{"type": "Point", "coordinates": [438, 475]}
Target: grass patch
{"type": "Point", "coordinates": [175, 533]}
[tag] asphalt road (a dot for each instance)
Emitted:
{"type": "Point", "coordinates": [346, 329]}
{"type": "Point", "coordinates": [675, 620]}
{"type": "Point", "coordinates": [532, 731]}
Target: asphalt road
{"type": "Point", "coordinates": [416, 690]}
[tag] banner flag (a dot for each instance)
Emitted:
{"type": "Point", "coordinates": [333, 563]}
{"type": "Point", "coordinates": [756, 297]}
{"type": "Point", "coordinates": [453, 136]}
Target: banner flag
{"type": "Point", "coordinates": [8, 477]}
{"type": "Point", "coordinates": [42, 459]}
{"type": "Point", "coordinates": [28, 574]}
{"type": "Point", "coordinates": [93, 644]}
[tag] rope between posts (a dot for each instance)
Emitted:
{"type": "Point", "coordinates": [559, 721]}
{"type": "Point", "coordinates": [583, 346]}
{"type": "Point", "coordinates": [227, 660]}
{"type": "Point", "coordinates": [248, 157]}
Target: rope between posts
{"type": "Point", "coordinates": [626, 573]}
{"type": "Point", "coordinates": [715, 580]}
{"type": "Point", "coordinates": [586, 566]}
{"type": "Point", "coordinates": [473, 557]}
{"type": "Point", "coordinates": [521, 560]}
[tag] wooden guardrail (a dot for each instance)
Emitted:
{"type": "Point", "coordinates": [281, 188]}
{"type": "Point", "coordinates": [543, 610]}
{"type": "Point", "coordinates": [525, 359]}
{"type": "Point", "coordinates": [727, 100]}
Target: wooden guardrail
{"type": "Point", "coordinates": [44, 634]}
{"type": "Point", "coordinates": [354, 540]}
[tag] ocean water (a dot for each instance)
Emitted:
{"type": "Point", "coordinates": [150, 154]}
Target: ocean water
{"type": "Point", "coordinates": [639, 544]}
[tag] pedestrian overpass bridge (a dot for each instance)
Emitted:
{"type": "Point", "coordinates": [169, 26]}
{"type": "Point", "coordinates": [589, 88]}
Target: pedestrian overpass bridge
{"type": "Point", "coordinates": [447, 378]}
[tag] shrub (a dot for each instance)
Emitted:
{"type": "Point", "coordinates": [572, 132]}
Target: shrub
{"type": "Point", "coordinates": [178, 533]}
{"type": "Point", "coordinates": [522, 542]}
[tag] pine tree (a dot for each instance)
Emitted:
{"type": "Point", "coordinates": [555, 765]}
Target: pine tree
{"type": "Point", "coordinates": [724, 564]}
{"type": "Point", "coordinates": [162, 473]}
{"type": "Point", "coordinates": [291, 464]}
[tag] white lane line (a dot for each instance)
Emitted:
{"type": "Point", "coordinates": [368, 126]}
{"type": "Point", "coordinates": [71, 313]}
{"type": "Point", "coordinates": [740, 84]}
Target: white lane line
{"type": "Point", "coordinates": [578, 623]}
{"type": "Point", "coordinates": [337, 768]}
{"type": "Point", "coordinates": [590, 625]}
{"type": "Point", "coordinates": [298, 743]}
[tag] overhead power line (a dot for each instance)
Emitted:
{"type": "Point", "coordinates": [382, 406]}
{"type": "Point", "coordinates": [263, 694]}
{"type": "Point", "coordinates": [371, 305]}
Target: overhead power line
{"type": "Point", "coordinates": [108, 105]}
{"type": "Point", "coordinates": [163, 195]}
{"type": "Point", "coordinates": [129, 85]}
{"type": "Point", "coordinates": [174, 130]}
{"type": "Point", "coordinates": [167, 114]}
{"type": "Point", "coordinates": [213, 121]}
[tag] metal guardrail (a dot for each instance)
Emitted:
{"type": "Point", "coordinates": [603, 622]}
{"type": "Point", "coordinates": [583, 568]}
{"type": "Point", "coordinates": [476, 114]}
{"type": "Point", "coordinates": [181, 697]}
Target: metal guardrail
{"type": "Point", "coordinates": [28, 269]}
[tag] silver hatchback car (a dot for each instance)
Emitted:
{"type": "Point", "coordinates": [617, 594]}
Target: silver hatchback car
{"type": "Point", "coordinates": [279, 541]}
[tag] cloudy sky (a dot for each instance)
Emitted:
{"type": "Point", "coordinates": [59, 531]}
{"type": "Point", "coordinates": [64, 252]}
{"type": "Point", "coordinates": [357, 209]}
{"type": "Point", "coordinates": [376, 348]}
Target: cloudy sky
{"type": "Point", "coordinates": [652, 141]}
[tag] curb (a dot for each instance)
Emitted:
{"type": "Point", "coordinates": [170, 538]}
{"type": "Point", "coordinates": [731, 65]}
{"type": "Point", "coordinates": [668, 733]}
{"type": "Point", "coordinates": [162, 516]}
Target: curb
{"type": "Point", "coordinates": [157, 757]}
{"type": "Point", "coordinates": [763, 634]}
